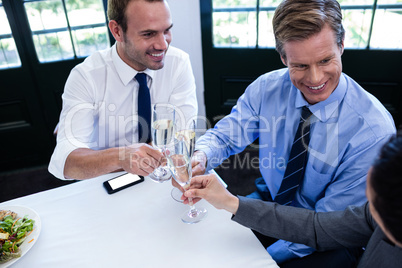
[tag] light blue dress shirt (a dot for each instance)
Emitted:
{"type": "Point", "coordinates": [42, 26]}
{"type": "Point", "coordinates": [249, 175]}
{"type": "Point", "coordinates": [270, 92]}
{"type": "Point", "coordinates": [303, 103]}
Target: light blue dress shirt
{"type": "Point", "coordinates": [347, 131]}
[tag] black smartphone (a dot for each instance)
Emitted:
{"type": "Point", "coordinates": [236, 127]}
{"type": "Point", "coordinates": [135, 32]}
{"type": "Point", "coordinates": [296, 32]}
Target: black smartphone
{"type": "Point", "coordinates": [122, 182]}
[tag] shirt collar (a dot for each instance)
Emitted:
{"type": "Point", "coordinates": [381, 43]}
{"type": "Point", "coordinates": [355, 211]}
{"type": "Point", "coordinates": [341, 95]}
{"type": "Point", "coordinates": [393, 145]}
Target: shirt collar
{"type": "Point", "coordinates": [126, 72]}
{"type": "Point", "coordinates": [326, 109]}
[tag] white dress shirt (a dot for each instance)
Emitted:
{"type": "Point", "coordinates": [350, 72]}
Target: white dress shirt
{"type": "Point", "coordinates": [100, 102]}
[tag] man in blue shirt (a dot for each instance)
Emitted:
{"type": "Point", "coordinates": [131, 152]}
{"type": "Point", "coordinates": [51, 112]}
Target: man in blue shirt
{"type": "Point", "coordinates": [348, 125]}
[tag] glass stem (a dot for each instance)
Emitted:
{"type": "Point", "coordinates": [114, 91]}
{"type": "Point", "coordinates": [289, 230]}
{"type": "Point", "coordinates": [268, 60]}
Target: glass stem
{"type": "Point", "coordinates": [193, 212]}
{"type": "Point", "coordinates": [190, 202]}
{"type": "Point", "coordinates": [163, 150]}
{"type": "Point", "coordinates": [160, 171]}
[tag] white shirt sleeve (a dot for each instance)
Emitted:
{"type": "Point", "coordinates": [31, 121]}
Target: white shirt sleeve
{"type": "Point", "coordinates": [76, 121]}
{"type": "Point", "coordinates": [184, 95]}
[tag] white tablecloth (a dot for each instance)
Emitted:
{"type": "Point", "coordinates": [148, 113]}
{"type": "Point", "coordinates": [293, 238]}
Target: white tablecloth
{"type": "Point", "coordinates": [83, 226]}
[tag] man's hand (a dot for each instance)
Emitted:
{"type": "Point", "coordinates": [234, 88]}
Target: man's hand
{"type": "Point", "coordinates": [209, 188]}
{"type": "Point", "coordinates": [140, 159]}
{"type": "Point", "coordinates": [198, 163]}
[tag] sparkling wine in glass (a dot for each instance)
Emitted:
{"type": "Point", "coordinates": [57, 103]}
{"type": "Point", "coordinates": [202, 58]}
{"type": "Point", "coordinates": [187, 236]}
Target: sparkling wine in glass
{"type": "Point", "coordinates": [163, 116]}
{"type": "Point", "coordinates": [180, 165]}
{"type": "Point", "coordinates": [187, 135]}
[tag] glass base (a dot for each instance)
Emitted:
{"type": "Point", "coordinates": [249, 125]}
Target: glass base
{"type": "Point", "coordinates": [194, 215]}
{"type": "Point", "coordinates": [176, 195]}
{"type": "Point", "coordinates": [160, 175]}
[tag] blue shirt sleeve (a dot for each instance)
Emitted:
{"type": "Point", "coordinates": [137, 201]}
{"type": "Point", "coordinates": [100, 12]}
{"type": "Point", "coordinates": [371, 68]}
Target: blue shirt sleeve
{"type": "Point", "coordinates": [235, 131]}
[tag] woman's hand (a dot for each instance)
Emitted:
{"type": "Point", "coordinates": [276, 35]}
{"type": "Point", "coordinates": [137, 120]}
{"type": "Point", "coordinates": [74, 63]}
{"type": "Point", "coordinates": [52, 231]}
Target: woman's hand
{"type": "Point", "coordinates": [209, 188]}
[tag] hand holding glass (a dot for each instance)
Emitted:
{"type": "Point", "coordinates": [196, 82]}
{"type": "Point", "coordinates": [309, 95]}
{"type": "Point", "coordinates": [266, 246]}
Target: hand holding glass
{"type": "Point", "coordinates": [187, 135]}
{"type": "Point", "coordinates": [180, 166]}
{"type": "Point", "coordinates": [163, 116]}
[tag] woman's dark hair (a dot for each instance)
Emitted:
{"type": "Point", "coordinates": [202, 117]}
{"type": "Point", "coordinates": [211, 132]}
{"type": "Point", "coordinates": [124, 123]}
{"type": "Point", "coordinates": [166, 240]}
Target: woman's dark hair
{"type": "Point", "coordinates": [386, 183]}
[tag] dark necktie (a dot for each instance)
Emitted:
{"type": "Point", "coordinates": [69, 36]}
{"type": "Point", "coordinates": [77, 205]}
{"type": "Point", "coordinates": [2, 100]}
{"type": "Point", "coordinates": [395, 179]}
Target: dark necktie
{"type": "Point", "coordinates": [144, 109]}
{"type": "Point", "coordinates": [296, 166]}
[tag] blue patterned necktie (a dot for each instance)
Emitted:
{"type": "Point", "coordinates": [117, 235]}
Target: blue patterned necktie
{"type": "Point", "coordinates": [296, 166]}
{"type": "Point", "coordinates": [144, 109]}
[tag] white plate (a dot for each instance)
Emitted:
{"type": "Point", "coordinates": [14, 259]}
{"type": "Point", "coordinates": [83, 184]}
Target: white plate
{"type": "Point", "coordinates": [25, 246]}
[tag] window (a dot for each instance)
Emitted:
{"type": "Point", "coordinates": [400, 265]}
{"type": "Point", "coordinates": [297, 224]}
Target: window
{"type": "Point", "coordinates": [66, 29]}
{"type": "Point", "coordinates": [370, 24]}
{"type": "Point", "coordinates": [9, 57]}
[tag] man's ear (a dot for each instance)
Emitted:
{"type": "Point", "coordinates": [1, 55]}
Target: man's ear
{"type": "Point", "coordinates": [343, 46]}
{"type": "Point", "coordinates": [116, 30]}
{"type": "Point", "coordinates": [283, 60]}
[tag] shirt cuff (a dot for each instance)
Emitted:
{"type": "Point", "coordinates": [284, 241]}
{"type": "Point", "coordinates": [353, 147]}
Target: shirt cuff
{"type": "Point", "coordinates": [280, 253]}
{"type": "Point", "coordinates": [208, 153]}
{"type": "Point", "coordinates": [60, 154]}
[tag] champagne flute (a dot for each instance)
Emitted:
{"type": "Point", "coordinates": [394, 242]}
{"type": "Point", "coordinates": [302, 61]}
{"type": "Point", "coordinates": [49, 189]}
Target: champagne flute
{"type": "Point", "coordinates": [163, 116]}
{"type": "Point", "coordinates": [180, 166]}
{"type": "Point", "coordinates": [187, 135]}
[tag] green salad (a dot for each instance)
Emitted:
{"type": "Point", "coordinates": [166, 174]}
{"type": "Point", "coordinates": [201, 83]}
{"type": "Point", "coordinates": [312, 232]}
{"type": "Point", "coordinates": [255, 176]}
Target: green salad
{"type": "Point", "coordinates": [13, 233]}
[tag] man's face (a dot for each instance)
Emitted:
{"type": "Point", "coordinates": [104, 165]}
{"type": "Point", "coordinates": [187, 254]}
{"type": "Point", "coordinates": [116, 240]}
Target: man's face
{"type": "Point", "coordinates": [315, 65]}
{"type": "Point", "coordinates": [148, 35]}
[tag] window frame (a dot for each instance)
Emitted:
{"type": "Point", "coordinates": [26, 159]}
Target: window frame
{"type": "Point", "coordinates": [70, 29]}
{"type": "Point", "coordinates": [8, 36]}
{"type": "Point", "coordinates": [374, 7]}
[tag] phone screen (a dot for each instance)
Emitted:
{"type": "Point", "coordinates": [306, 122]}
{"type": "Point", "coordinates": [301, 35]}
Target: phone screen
{"type": "Point", "coordinates": [123, 180]}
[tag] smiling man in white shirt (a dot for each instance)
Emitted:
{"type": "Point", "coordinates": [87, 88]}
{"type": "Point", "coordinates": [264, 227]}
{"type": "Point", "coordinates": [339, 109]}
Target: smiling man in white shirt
{"type": "Point", "coordinates": [98, 131]}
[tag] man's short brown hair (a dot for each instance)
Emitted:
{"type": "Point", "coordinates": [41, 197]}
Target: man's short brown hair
{"type": "Point", "coordinates": [116, 10]}
{"type": "Point", "coordinates": [296, 20]}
